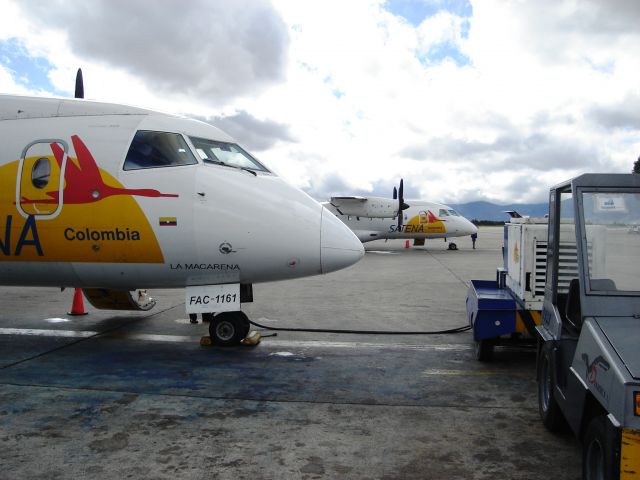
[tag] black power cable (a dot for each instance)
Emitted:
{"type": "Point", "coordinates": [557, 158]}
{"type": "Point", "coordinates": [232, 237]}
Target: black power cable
{"type": "Point", "coordinates": [461, 329]}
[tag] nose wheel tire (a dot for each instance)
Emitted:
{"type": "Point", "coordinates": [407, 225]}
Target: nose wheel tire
{"type": "Point", "coordinates": [228, 328]}
{"type": "Point", "coordinates": [453, 246]}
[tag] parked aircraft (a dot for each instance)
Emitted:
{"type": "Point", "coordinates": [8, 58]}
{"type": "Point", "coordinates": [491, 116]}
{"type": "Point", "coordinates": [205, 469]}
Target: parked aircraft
{"type": "Point", "coordinates": [112, 198]}
{"type": "Point", "coordinates": [374, 218]}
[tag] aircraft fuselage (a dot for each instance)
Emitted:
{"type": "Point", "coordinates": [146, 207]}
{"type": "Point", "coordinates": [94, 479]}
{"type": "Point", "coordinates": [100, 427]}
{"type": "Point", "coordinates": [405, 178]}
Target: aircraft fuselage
{"type": "Point", "coordinates": [422, 220]}
{"type": "Point", "coordinates": [79, 207]}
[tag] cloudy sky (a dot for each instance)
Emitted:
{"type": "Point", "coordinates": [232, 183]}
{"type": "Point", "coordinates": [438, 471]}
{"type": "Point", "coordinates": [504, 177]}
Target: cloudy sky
{"type": "Point", "coordinates": [465, 99]}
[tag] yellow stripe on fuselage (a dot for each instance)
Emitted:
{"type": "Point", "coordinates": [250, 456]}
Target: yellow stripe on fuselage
{"type": "Point", "coordinates": [113, 229]}
{"type": "Point", "coordinates": [414, 225]}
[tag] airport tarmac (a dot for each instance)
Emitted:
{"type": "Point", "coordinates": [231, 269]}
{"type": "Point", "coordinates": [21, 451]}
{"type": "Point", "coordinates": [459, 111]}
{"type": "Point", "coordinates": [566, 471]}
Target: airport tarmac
{"type": "Point", "coordinates": [133, 395]}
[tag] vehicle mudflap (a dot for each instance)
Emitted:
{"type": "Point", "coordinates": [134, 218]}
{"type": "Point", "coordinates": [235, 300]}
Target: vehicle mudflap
{"type": "Point", "coordinates": [630, 454]}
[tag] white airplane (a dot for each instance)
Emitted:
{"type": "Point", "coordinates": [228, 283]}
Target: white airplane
{"type": "Point", "coordinates": [375, 218]}
{"type": "Point", "coordinates": [112, 198]}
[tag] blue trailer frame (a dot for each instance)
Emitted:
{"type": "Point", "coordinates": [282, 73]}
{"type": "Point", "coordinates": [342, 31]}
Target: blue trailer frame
{"type": "Point", "coordinates": [491, 310]}
{"type": "Point", "coordinates": [497, 317]}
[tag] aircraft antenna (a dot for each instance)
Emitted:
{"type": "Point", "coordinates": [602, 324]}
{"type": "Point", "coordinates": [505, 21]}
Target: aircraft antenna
{"type": "Point", "coordinates": [79, 85]}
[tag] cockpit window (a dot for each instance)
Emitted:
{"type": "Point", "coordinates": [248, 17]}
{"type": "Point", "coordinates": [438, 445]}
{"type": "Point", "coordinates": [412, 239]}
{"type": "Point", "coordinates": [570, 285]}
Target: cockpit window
{"type": "Point", "coordinates": [158, 149]}
{"type": "Point", "coordinates": [224, 153]}
{"type": "Point", "coordinates": [41, 172]}
{"type": "Point", "coordinates": [443, 213]}
{"type": "Point", "coordinates": [454, 213]}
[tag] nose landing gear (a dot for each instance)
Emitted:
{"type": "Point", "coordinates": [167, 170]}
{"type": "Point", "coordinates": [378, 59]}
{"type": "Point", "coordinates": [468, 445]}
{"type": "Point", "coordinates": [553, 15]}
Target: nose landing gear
{"type": "Point", "coordinates": [228, 328]}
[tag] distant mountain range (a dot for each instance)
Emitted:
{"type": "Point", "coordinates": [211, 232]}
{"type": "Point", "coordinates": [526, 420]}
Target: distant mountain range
{"type": "Point", "coordinates": [493, 212]}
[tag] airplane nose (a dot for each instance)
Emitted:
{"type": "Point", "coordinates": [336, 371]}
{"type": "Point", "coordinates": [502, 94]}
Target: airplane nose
{"type": "Point", "coordinates": [339, 247]}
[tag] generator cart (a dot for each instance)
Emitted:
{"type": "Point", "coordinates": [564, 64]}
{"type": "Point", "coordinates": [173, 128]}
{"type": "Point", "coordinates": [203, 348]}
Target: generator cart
{"type": "Point", "coordinates": [588, 363]}
{"type": "Point", "coordinates": [506, 310]}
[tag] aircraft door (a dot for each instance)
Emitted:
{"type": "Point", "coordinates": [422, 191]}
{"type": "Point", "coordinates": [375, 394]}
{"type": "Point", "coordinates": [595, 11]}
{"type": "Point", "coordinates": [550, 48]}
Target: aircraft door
{"type": "Point", "coordinates": [40, 179]}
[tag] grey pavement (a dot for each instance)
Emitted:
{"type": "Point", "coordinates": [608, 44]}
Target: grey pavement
{"type": "Point", "coordinates": [134, 395]}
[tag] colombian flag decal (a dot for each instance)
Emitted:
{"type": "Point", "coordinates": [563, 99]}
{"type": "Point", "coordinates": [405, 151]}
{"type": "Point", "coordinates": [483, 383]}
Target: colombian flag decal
{"type": "Point", "coordinates": [168, 222]}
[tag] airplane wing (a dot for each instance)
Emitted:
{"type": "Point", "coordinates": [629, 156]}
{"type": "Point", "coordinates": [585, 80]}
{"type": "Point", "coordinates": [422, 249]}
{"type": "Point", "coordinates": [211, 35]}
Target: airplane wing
{"type": "Point", "coordinates": [371, 207]}
{"type": "Point", "coordinates": [348, 199]}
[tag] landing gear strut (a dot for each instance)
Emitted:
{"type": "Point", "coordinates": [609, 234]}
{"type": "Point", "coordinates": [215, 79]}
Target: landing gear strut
{"type": "Point", "coordinates": [228, 328]}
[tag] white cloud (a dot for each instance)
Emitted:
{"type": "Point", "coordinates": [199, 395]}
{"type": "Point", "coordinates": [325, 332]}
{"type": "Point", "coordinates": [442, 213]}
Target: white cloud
{"type": "Point", "coordinates": [214, 49]}
{"type": "Point", "coordinates": [350, 95]}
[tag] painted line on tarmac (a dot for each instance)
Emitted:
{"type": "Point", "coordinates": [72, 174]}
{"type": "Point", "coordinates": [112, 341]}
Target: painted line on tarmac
{"type": "Point", "coordinates": [403, 346]}
{"type": "Point", "coordinates": [86, 334]}
{"type": "Point", "coordinates": [151, 337]}
{"type": "Point", "coordinates": [443, 372]}
{"type": "Point", "coordinates": [267, 342]}
{"type": "Point", "coordinates": [473, 373]}
{"type": "Point", "coordinates": [47, 333]}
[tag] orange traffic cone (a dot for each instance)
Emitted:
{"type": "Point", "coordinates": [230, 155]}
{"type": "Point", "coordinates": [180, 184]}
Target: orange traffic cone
{"type": "Point", "coordinates": [78, 305]}
{"type": "Point", "coordinates": [406, 245]}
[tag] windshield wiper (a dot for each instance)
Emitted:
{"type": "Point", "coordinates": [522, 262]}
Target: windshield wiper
{"type": "Point", "coordinates": [220, 162]}
{"type": "Point", "coordinates": [217, 162]}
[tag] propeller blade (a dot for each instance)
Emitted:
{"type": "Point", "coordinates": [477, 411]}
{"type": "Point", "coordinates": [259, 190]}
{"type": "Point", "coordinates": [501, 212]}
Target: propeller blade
{"type": "Point", "coordinates": [395, 193]}
{"type": "Point", "coordinates": [400, 204]}
{"type": "Point", "coordinates": [79, 85]}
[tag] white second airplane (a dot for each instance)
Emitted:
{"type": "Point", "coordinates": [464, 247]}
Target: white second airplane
{"type": "Point", "coordinates": [112, 198]}
{"type": "Point", "coordinates": [375, 218]}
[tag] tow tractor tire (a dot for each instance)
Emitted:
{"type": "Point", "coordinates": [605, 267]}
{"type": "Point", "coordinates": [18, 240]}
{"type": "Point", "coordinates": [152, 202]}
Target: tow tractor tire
{"type": "Point", "coordinates": [600, 452]}
{"type": "Point", "coordinates": [228, 328]}
{"type": "Point", "coordinates": [550, 412]}
{"type": "Point", "coordinates": [484, 350]}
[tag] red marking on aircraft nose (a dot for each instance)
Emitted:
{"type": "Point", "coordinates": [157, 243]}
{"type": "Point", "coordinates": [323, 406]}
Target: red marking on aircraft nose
{"type": "Point", "coordinates": [84, 179]}
{"type": "Point", "coordinates": [431, 218]}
